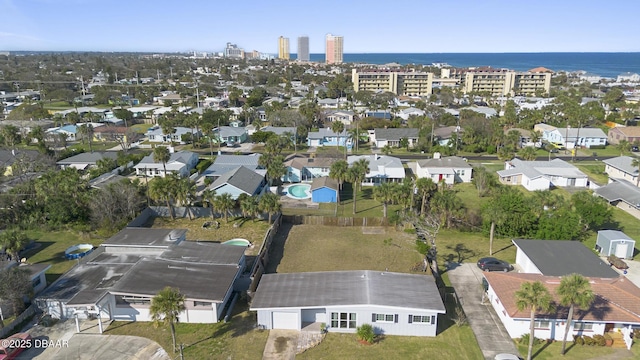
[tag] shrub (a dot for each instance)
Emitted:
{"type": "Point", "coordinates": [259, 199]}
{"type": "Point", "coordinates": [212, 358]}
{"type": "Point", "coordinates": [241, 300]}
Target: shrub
{"type": "Point", "coordinates": [203, 165]}
{"type": "Point", "coordinates": [525, 340]}
{"type": "Point", "coordinates": [588, 340]}
{"type": "Point", "coordinates": [599, 340]}
{"type": "Point", "coordinates": [597, 147]}
{"type": "Point", "coordinates": [617, 262]}
{"type": "Point", "coordinates": [365, 333]}
{"type": "Point", "coordinates": [578, 340]}
{"type": "Point", "coordinates": [422, 247]}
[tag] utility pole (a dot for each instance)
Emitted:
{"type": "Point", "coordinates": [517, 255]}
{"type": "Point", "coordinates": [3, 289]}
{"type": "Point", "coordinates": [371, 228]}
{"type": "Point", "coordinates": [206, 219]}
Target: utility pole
{"type": "Point", "coordinates": [575, 144]}
{"type": "Point", "coordinates": [433, 128]}
{"type": "Point", "coordinates": [219, 138]}
{"type": "Point", "coordinates": [158, 74]}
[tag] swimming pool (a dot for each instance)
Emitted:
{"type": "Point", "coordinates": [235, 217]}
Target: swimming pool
{"type": "Point", "coordinates": [299, 191]}
{"type": "Point", "coordinates": [238, 242]}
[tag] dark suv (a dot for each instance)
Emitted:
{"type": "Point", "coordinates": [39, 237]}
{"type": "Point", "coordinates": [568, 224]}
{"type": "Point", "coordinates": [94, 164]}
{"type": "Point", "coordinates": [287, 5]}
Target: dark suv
{"type": "Point", "coordinates": [493, 264]}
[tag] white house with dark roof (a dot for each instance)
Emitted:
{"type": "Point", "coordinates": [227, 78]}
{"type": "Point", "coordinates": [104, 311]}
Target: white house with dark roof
{"type": "Point", "coordinates": [622, 194]}
{"type": "Point", "coordinates": [450, 169]}
{"type": "Point", "coordinates": [576, 137]}
{"type": "Point", "coordinates": [382, 168]}
{"type": "Point", "coordinates": [392, 136]}
{"type": "Point", "coordinates": [180, 163]}
{"type": "Point", "coordinates": [542, 175]}
{"type": "Point", "coordinates": [86, 160]}
{"type": "Point", "coordinates": [620, 168]}
{"type": "Point", "coordinates": [393, 303]}
{"type": "Point", "coordinates": [241, 180]}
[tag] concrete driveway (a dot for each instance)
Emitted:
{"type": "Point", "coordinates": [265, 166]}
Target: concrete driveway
{"type": "Point", "coordinates": [281, 345]}
{"type": "Point", "coordinates": [492, 337]}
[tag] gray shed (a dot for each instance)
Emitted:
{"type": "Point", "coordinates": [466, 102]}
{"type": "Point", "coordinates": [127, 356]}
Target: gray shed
{"type": "Point", "coordinates": [613, 242]}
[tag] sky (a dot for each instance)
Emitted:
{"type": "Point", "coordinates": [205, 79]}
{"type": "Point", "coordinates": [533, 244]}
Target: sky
{"type": "Point", "coordinates": [374, 26]}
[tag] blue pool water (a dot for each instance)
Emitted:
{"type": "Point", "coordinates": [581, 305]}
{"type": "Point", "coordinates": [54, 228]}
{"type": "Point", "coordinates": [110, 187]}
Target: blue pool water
{"type": "Point", "coordinates": [299, 191]}
{"type": "Point", "coordinates": [237, 242]}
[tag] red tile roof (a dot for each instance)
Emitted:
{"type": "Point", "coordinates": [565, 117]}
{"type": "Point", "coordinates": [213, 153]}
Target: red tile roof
{"type": "Point", "coordinates": [616, 299]}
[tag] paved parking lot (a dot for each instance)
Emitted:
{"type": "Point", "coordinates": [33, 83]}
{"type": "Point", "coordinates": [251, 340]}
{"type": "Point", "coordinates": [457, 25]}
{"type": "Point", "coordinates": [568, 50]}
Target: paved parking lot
{"type": "Point", "coordinates": [492, 337]}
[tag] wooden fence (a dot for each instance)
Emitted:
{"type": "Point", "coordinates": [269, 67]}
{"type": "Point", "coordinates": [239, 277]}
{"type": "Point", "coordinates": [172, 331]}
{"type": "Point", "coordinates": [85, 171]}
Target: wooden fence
{"type": "Point", "coordinates": [335, 220]}
{"type": "Point", "coordinates": [260, 264]}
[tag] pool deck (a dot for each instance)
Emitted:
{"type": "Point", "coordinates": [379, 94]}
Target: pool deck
{"type": "Point", "coordinates": [288, 202]}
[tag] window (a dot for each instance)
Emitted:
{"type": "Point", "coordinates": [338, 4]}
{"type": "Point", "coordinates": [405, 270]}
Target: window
{"type": "Point", "coordinates": [132, 300]}
{"type": "Point", "coordinates": [36, 282]}
{"type": "Point", "coordinates": [422, 319]}
{"type": "Point", "coordinates": [389, 318]}
{"type": "Point", "coordinates": [343, 320]}
{"type": "Point", "coordinates": [201, 303]}
{"type": "Point", "coordinates": [541, 324]}
{"type": "Point", "coordinates": [583, 326]}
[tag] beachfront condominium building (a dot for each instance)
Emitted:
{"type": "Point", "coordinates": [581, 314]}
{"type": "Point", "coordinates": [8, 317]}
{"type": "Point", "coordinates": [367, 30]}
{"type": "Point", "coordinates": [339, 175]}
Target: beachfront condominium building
{"type": "Point", "coordinates": [401, 83]}
{"type": "Point", "coordinates": [233, 51]}
{"type": "Point", "coordinates": [333, 49]}
{"type": "Point", "coordinates": [283, 48]}
{"type": "Point", "coordinates": [500, 82]}
{"type": "Point", "coordinates": [303, 48]}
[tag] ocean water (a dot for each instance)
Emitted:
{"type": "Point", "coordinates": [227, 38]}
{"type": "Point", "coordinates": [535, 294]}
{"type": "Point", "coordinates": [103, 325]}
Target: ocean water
{"type": "Point", "coordinates": [604, 64]}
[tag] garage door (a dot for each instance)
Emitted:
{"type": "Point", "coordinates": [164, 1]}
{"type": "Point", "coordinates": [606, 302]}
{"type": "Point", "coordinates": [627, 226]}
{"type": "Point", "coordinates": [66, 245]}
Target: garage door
{"type": "Point", "coordinates": [621, 250]}
{"type": "Point", "coordinates": [285, 320]}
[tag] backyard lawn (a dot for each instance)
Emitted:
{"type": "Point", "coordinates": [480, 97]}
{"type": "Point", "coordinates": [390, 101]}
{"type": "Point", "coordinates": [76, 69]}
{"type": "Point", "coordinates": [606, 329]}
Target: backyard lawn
{"type": "Point", "coordinates": [594, 169]}
{"type": "Point", "coordinates": [458, 246]}
{"type": "Point", "coordinates": [236, 339]}
{"type": "Point", "coordinates": [574, 352]}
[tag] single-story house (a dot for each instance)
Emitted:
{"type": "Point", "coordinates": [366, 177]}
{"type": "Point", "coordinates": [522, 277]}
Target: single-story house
{"type": "Point", "coordinates": [9, 158]}
{"type": "Point", "coordinates": [559, 258]}
{"type": "Point", "coordinates": [615, 308]}
{"type": "Point", "coordinates": [393, 303]}
{"type": "Point", "coordinates": [281, 130]}
{"type": "Point", "coordinates": [382, 168]}
{"type": "Point", "coordinates": [36, 272]}
{"type": "Point", "coordinates": [301, 168]}
{"type": "Point", "coordinates": [156, 135]}
{"type": "Point", "coordinates": [329, 103]}
{"type": "Point", "coordinates": [392, 137]}
{"type": "Point", "coordinates": [405, 114]}
{"type": "Point", "coordinates": [86, 160]}
{"type": "Point", "coordinates": [180, 162]}
{"type": "Point", "coordinates": [344, 116]}
{"type": "Point", "coordinates": [106, 179]}
{"type": "Point", "coordinates": [450, 169]}
{"type": "Point", "coordinates": [544, 130]}
{"type": "Point", "coordinates": [115, 133]}
{"type": "Point", "coordinates": [324, 190]}
{"type": "Point", "coordinates": [241, 180]}
{"type": "Point", "coordinates": [629, 133]}
{"type": "Point", "coordinates": [614, 242]}
{"type": "Point", "coordinates": [70, 131]}
{"type": "Point", "coordinates": [444, 134]}
{"type": "Point", "coordinates": [542, 175]}
{"type": "Point", "coordinates": [622, 194]}
{"type": "Point", "coordinates": [484, 110]}
{"type": "Point", "coordinates": [620, 168]}
{"type": "Point", "coordinates": [231, 135]}
{"type": "Point", "coordinates": [225, 163]}
{"type": "Point", "coordinates": [576, 137]}
{"type": "Point", "coordinates": [326, 137]}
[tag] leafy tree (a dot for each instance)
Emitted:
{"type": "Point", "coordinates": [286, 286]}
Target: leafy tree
{"type": "Point", "coordinates": [519, 219]}
{"type": "Point", "coordinates": [483, 180]}
{"type": "Point", "coordinates": [385, 194]}
{"type": "Point", "coordinates": [165, 309]}
{"type": "Point", "coordinates": [636, 163]}
{"type": "Point", "coordinates": [559, 224]}
{"type": "Point", "coordinates": [162, 154]}
{"type": "Point", "coordinates": [10, 135]}
{"type": "Point", "coordinates": [614, 98]}
{"type": "Point", "coordinates": [270, 203]}
{"type": "Point", "coordinates": [404, 143]}
{"type": "Point", "coordinates": [224, 204]}
{"type": "Point", "coordinates": [356, 175]}
{"type": "Point", "coordinates": [624, 147]}
{"type": "Point", "coordinates": [115, 204]}
{"type": "Point", "coordinates": [15, 285]}
{"type": "Point", "coordinates": [12, 241]}
{"type": "Point", "coordinates": [528, 153]}
{"type": "Point", "coordinates": [256, 97]}
{"type": "Point", "coordinates": [426, 188]}
{"type": "Point", "coordinates": [339, 172]}
{"type": "Point", "coordinates": [62, 196]}
{"type": "Point", "coordinates": [262, 136]}
{"type": "Point", "coordinates": [387, 150]}
{"type": "Point", "coordinates": [510, 117]}
{"type": "Point", "coordinates": [594, 211]}
{"type": "Point", "coordinates": [536, 297]}
{"type": "Point", "coordinates": [574, 290]}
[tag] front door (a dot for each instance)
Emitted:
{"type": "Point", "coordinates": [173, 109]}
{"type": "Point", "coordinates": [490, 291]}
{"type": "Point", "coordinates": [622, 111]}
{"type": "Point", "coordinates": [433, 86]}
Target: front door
{"type": "Point", "coordinates": [608, 327]}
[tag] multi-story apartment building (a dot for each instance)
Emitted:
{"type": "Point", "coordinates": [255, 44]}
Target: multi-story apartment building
{"type": "Point", "coordinates": [401, 83]}
{"type": "Point", "coordinates": [283, 48]}
{"type": "Point", "coordinates": [500, 82]}
{"type": "Point", "coordinates": [233, 51]}
{"type": "Point", "coordinates": [303, 48]}
{"type": "Point", "coordinates": [334, 49]}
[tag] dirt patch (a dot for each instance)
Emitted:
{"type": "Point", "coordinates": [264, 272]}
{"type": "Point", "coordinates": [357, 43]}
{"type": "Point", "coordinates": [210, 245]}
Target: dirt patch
{"type": "Point", "coordinates": [281, 344]}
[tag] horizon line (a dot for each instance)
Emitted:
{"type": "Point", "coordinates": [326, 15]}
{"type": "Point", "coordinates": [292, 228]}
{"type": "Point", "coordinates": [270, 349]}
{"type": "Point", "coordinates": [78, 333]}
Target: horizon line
{"type": "Point", "coordinates": [322, 53]}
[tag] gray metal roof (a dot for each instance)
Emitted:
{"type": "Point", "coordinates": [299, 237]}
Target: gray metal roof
{"type": "Point", "coordinates": [87, 297]}
{"type": "Point", "coordinates": [242, 178]}
{"type": "Point", "coordinates": [204, 253]}
{"type": "Point", "coordinates": [448, 162]}
{"type": "Point", "coordinates": [534, 169]}
{"type": "Point", "coordinates": [396, 133]}
{"type": "Point", "coordinates": [238, 160]}
{"type": "Point", "coordinates": [146, 237]}
{"type": "Point", "coordinates": [614, 235]}
{"type": "Point", "coordinates": [622, 163]}
{"type": "Point", "coordinates": [620, 190]}
{"type": "Point", "coordinates": [564, 257]}
{"type": "Point", "coordinates": [359, 287]}
{"type": "Point", "coordinates": [226, 131]}
{"type": "Point", "coordinates": [196, 281]}
{"type": "Point", "coordinates": [88, 158]}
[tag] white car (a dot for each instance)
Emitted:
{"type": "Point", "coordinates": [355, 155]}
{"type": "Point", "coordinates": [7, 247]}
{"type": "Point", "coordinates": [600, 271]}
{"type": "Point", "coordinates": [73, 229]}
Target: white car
{"type": "Point", "coordinates": [506, 357]}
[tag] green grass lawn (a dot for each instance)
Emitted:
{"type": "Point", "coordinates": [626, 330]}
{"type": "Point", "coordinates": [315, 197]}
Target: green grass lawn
{"type": "Point", "coordinates": [610, 150]}
{"type": "Point", "coordinates": [236, 339]}
{"type": "Point", "coordinates": [594, 169]}
{"type": "Point", "coordinates": [457, 246]}
{"type": "Point", "coordinates": [574, 352]}
{"type": "Point", "coordinates": [140, 128]}
{"type": "Point", "coordinates": [491, 166]}
{"type": "Point", "coordinates": [96, 146]}
{"type": "Point", "coordinates": [50, 249]}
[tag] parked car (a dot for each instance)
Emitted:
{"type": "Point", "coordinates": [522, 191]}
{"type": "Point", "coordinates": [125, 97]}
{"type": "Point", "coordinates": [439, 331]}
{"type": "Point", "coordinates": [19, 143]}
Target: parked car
{"type": "Point", "coordinates": [635, 149]}
{"type": "Point", "coordinates": [493, 264]}
{"type": "Point", "coordinates": [12, 346]}
{"type": "Point", "coordinates": [505, 356]}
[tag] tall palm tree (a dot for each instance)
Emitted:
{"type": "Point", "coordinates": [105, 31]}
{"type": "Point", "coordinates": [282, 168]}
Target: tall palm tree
{"type": "Point", "coordinates": [356, 175]}
{"type": "Point", "coordinates": [636, 163]}
{"type": "Point", "coordinates": [275, 169]}
{"type": "Point", "coordinates": [528, 153]}
{"type": "Point", "coordinates": [338, 172]}
{"type": "Point", "coordinates": [624, 146]}
{"type": "Point", "coordinates": [354, 135]}
{"type": "Point", "coordinates": [426, 187]}
{"type": "Point", "coordinates": [496, 215]}
{"type": "Point", "coordinates": [536, 297]}
{"type": "Point", "coordinates": [270, 204]}
{"type": "Point", "coordinates": [13, 241]}
{"type": "Point", "coordinates": [224, 203]}
{"type": "Point", "coordinates": [185, 193]}
{"type": "Point", "coordinates": [574, 290]}
{"type": "Point", "coordinates": [249, 206]}
{"type": "Point", "coordinates": [209, 196]}
{"type": "Point", "coordinates": [385, 194]}
{"type": "Point", "coordinates": [162, 154]}
{"type": "Point", "coordinates": [165, 308]}
{"type": "Point", "coordinates": [338, 128]}
{"type": "Point", "coordinates": [163, 189]}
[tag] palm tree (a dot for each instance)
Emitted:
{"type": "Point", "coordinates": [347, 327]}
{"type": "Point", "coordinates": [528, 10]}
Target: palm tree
{"type": "Point", "coordinates": [636, 163]}
{"type": "Point", "coordinates": [536, 297]}
{"type": "Point", "coordinates": [249, 206]}
{"type": "Point", "coordinates": [275, 169]}
{"type": "Point", "coordinates": [209, 196]}
{"type": "Point", "coordinates": [574, 290]}
{"type": "Point", "coordinates": [13, 241]}
{"type": "Point", "coordinates": [624, 146]}
{"type": "Point", "coordinates": [163, 189]}
{"type": "Point", "coordinates": [338, 172]}
{"type": "Point", "coordinates": [384, 193]}
{"type": "Point", "coordinates": [224, 203]}
{"type": "Point", "coordinates": [165, 308]}
{"type": "Point", "coordinates": [356, 175]}
{"type": "Point", "coordinates": [426, 187]}
{"type": "Point", "coordinates": [185, 193]}
{"type": "Point", "coordinates": [162, 154]}
{"type": "Point", "coordinates": [387, 149]}
{"type": "Point", "coordinates": [270, 204]}
{"type": "Point", "coordinates": [528, 153]}
{"type": "Point", "coordinates": [338, 128]}
{"type": "Point", "coordinates": [354, 135]}
{"type": "Point", "coordinates": [495, 214]}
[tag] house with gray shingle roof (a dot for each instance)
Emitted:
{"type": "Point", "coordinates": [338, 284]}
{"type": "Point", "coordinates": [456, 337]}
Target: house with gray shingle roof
{"type": "Point", "coordinates": [580, 137]}
{"type": "Point", "coordinates": [392, 136]}
{"type": "Point", "coordinates": [225, 163]}
{"type": "Point", "coordinates": [622, 194]}
{"type": "Point", "coordinates": [620, 168]}
{"type": "Point", "coordinates": [542, 175]}
{"type": "Point", "coordinates": [180, 162]}
{"type": "Point", "coordinates": [86, 160]}
{"type": "Point", "coordinates": [239, 181]}
{"type": "Point", "coordinates": [450, 169]}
